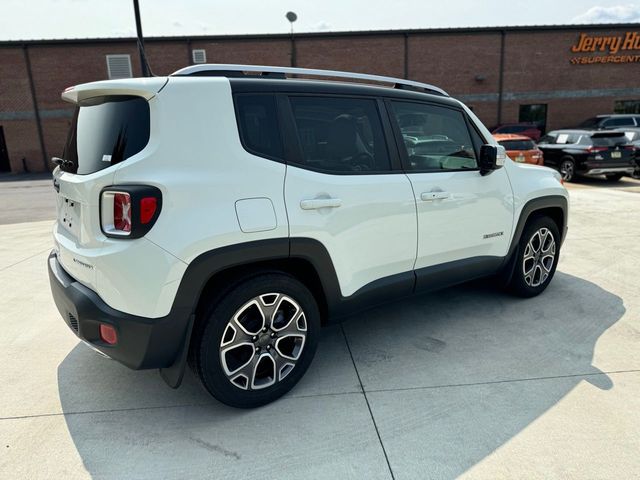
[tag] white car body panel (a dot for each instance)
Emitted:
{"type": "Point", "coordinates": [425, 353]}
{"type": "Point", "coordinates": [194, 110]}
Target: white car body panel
{"type": "Point", "coordinates": [371, 235]}
{"type": "Point", "coordinates": [459, 227]}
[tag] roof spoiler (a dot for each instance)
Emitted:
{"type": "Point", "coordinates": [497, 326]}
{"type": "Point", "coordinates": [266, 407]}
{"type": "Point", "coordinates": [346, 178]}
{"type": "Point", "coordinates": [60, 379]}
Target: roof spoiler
{"type": "Point", "coordinates": [141, 87]}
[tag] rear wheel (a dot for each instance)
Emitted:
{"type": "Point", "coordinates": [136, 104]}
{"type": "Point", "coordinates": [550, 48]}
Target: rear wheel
{"type": "Point", "coordinates": [567, 169]}
{"type": "Point", "coordinates": [613, 177]}
{"type": "Point", "coordinates": [537, 257]}
{"type": "Point", "coordinates": [258, 340]}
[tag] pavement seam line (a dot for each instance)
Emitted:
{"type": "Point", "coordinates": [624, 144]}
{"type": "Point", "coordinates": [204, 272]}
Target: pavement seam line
{"type": "Point", "coordinates": [497, 382]}
{"type": "Point", "coordinates": [364, 393]}
{"type": "Point", "coordinates": [24, 259]}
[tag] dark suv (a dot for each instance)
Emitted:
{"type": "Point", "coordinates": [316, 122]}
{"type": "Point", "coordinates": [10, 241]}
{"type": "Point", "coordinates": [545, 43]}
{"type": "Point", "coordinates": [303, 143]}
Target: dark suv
{"type": "Point", "coordinates": [585, 152]}
{"type": "Point", "coordinates": [604, 122]}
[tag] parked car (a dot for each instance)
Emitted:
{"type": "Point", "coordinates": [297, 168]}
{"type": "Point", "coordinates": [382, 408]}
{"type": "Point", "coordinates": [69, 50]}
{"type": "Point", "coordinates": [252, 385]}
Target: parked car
{"type": "Point", "coordinates": [530, 130]}
{"type": "Point", "coordinates": [585, 152]}
{"type": "Point", "coordinates": [520, 149]}
{"type": "Point", "coordinates": [602, 122]}
{"type": "Point", "coordinates": [633, 135]}
{"type": "Point", "coordinates": [219, 218]}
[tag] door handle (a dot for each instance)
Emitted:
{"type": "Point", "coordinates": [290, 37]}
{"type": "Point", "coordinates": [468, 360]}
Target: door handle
{"type": "Point", "coordinates": [317, 203]}
{"type": "Point", "coordinates": [431, 196]}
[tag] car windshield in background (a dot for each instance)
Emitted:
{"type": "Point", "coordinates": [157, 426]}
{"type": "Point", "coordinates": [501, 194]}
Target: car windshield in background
{"type": "Point", "coordinates": [106, 130]}
{"type": "Point", "coordinates": [590, 122]}
{"type": "Point", "coordinates": [609, 140]}
{"type": "Point", "coordinates": [517, 144]}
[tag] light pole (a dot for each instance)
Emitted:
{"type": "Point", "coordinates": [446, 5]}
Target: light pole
{"type": "Point", "coordinates": [143, 59]}
{"type": "Point", "coordinates": [292, 17]}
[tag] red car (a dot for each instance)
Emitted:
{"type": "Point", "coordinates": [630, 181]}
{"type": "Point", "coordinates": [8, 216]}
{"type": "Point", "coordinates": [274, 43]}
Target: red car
{"type": "Point", "coordinates": [530, 130]}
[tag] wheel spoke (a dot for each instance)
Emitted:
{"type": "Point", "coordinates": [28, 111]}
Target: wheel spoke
{"type": "Point", "coordinates": [264, 372]}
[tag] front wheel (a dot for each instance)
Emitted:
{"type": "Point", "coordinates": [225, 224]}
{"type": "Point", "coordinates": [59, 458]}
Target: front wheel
{"type": "Point", "coordinates": [537, 257]}
{"type": "Point", "coordinates": [258, 340]}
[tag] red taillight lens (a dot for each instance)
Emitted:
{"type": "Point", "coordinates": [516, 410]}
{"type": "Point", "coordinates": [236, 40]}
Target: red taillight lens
{"type": "Point", "coordinates": [597, 149]}
{"type": "Point", "coordinates": [108, 334]}
{"type": "Point", "coordinates": [122, 212]}
{"type": "Point", "coordinates": [148, 207]}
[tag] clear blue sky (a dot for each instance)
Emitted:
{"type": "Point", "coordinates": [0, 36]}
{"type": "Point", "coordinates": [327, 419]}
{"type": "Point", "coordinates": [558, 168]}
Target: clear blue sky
{"type": "Point", "coordinates": [37, 19]}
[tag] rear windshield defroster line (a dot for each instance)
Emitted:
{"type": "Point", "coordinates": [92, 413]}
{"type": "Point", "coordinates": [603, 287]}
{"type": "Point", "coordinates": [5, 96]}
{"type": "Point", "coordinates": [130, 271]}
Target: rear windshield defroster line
{"type": "Point", "coordinates": [106, 130]}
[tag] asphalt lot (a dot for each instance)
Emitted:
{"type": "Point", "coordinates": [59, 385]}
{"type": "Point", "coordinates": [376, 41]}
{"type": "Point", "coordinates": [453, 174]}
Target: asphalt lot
{"type": "Point", "coordinates": [467, 382]}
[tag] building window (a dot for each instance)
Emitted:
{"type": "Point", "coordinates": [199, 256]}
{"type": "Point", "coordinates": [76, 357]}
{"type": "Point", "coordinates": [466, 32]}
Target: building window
{"type": "Point", "coordinates": [626, 106]}
{"type": "Point", "coordinates": [199, 56]}
{"type": "Point", "coordinates": [119, 66]}
{"type": "Point", "coordinates": [534, 113]}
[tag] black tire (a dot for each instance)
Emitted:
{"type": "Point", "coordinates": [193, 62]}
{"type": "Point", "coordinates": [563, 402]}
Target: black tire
{"type": "Point", "coordinates": [567, 169]}
{"type": "Point", "coordinates": [519, 284]}
{"type": "Point", "coordinates": [206, 357]}
{"type": "Point", "coordinates": [636, 173]}
{"type": "Point", "coordinates": [613, 177]}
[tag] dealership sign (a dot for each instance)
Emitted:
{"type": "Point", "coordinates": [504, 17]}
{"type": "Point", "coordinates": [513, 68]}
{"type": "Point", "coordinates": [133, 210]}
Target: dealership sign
{"type": "Point", "coordinates": [608, 49]}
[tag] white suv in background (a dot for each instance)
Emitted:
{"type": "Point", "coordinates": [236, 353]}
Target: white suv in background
{"type": "Point", "coordinates": [220, 215]}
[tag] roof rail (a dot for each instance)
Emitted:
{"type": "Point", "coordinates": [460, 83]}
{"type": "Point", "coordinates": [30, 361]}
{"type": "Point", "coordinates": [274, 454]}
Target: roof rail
{"type": "Point", "coordinates": [234, 70]}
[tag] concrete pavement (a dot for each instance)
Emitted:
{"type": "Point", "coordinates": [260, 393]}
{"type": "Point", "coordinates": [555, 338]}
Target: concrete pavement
{"type": "Point", "coordinates": [467, 382]}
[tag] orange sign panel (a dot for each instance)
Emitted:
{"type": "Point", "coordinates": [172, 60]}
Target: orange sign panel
{"type": "Point", "coordinates": [608, 48]}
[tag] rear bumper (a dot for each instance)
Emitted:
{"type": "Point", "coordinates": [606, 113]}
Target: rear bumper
{"type": "Point", "coordinates": [603, 170]}
{"type": "Point", "coordinates": [142, 342]}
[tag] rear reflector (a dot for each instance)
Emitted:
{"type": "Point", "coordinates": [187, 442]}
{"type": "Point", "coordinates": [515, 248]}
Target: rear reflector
{"type": "Point", "coordinates": [108, 334]}
{"type": "Point", "coordinates": [148, 207]}
{"type": "Point", "coordinates": [122, 212]}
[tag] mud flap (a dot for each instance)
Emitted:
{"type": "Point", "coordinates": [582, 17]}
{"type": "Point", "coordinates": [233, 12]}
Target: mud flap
{"type": "Point", "coordinates": [173, 375]}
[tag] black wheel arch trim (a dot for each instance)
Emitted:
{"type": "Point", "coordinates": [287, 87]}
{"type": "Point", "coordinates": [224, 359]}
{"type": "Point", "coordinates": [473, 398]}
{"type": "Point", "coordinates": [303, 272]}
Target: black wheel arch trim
{"type": "Point", "coordinates": [530, 208]}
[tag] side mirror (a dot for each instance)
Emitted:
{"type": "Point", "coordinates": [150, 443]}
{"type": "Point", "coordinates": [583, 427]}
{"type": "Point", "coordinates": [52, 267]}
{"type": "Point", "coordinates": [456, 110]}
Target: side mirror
{"type": "Point", "coordinates": [492, 157]}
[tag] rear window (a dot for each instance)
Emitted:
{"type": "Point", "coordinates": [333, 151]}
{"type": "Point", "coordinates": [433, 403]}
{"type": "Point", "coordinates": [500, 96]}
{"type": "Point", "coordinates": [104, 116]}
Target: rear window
{"type": "Point", "coordinates": [512, 129]}
{"type": "Point", "coordinates": [609, 140]}
{"type": "Point", "coordinates": [518, 144]}
{"type": "Point", "coordinates": [105, 131]}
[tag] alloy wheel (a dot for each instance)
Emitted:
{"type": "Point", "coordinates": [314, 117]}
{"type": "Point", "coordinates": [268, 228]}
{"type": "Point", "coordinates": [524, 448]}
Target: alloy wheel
{"type": "Point", "coordinates": [539, 255]}
{"type": "Point", "coordinates": [263, 341]}
{"type": "Point", "coordinates": [566, 169]}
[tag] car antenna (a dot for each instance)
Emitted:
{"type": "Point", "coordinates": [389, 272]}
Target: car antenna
{"type": "Point", "coordinates": [144, 63]}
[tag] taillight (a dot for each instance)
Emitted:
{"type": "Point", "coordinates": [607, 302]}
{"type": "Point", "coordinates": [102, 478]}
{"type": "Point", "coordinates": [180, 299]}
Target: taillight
{"type": "Point", "coordinates": [129, 211]}
{"type": "Point", "coordinates": [597, 149]}
{"type": "Point", "coordinates": [148, 207]}
{"type": "Point", "coordinates": [122, 212]}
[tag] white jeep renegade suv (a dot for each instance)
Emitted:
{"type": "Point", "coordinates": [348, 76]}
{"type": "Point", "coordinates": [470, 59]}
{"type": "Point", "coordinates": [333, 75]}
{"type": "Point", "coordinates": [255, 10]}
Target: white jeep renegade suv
{"type": "Point", "coordinates": [221, 215]}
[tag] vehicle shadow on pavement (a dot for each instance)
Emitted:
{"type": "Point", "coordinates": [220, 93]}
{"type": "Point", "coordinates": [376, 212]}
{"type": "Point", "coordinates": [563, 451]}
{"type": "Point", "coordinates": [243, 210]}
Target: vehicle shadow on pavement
{"type": "Point", "coordinates": [450, 377]}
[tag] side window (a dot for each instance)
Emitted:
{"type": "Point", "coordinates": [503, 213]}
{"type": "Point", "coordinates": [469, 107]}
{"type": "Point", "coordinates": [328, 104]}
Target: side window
{"type": "Point", "coordinates": [340, 135]}
{"type": "Point", "coordinates": [435, 138]}
{"type": "Point", "coordinates": [258, 123]}
{"type": "Point", "coordinates": [619, 122]}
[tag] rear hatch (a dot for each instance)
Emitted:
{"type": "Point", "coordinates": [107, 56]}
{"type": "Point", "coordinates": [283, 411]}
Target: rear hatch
{"type": "Point", "coordinates": [611, 149]}
{"type": "Point", "coordinates": [522, 151]}
{"type": "Point", "coordinates": [111, 124]}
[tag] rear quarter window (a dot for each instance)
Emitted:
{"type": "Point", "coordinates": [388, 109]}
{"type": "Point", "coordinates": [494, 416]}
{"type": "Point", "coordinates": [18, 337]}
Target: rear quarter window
{"type": "Point", "coordinates": [258, 124]}
{"type": "Point", "coordinates": [106, 130]}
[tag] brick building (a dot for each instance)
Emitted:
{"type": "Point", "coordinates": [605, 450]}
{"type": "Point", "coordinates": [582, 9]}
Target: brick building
{"type": "Point", "coordinates": [556, 75]}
